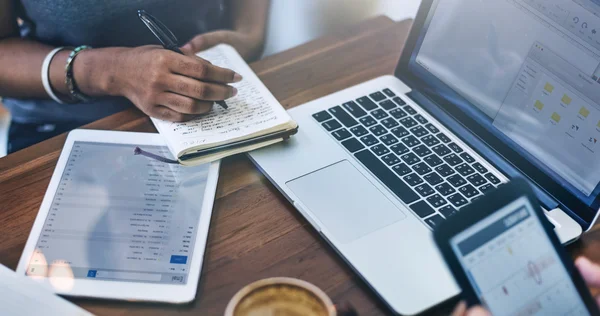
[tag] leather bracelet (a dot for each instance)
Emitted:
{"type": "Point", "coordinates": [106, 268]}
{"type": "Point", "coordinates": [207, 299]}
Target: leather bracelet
{"type": "Point", "coordinates": [69, 78]}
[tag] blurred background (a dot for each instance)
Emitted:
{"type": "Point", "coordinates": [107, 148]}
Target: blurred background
{"type": "Point", "coordinates": [294, 22]}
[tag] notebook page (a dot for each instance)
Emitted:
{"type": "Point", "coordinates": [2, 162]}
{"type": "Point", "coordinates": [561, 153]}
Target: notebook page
{"type": "Point", "coordinates": [20, 295]}
{"type": "Point", "coordinates": [252, 110]}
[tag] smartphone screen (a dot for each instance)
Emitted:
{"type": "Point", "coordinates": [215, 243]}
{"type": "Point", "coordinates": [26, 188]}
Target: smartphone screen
{"type": "Point", "coordinates": [513, 267]}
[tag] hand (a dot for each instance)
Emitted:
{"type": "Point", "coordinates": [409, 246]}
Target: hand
{"type": "Point", "coordinates": [167, 85]}
{"type": "Point", "coordinates": [590, 272]}
{"type": "Point", "coordinates": [248, 46]}
{"type": "Point", "coordinates": [461, 310]}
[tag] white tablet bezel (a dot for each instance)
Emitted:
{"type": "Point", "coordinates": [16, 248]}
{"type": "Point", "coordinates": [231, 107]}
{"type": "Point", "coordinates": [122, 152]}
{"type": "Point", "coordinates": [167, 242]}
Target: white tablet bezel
{"type": "Point", "coordinates": [116, 289]}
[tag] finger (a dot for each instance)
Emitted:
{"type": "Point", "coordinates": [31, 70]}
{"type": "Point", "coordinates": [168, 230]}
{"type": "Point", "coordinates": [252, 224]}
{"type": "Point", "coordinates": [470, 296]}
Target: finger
{"type": "Point", "coordinates": [460, 309]}
{"type": "Point", "coordinates": [477, 311]}
{"type": "Point", "coordinates": [200, 90]}
{"type": "Point", "coordinates": [589, 270]}
{"type": "Point", "coordinates": [200, 69]}
{"type": "Point", "coordinates": [183, 104]}
{"type": "Point", "coordinates": [167, 114]}
{"type": "Point", "coordinates": [205, 41]}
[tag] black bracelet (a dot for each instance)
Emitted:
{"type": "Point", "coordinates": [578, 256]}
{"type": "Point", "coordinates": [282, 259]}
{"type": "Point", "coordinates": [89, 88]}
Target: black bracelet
{"type": "Point", "coordinates": [70, 80]}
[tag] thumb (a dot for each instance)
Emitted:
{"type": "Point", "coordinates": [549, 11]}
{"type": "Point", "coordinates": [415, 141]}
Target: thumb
{"type": "Point", "coordinates": [589, 270]}
{"type": "Point", "coordinates": [203, 42]}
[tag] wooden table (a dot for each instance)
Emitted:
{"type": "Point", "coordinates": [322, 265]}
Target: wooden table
{"type": "Point", "coordinates": [255, 233]}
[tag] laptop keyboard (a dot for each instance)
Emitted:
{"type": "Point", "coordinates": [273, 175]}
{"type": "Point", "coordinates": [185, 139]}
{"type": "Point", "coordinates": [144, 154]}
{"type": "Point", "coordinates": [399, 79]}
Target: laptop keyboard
{"type": "Point", "coordinates": [409, 154]}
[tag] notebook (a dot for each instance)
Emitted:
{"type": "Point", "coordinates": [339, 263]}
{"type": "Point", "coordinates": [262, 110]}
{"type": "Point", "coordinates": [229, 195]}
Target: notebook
{"type": "Point", "coordinates": [21, 296]}
{"type": "Point", "coordinates": [253, 120]}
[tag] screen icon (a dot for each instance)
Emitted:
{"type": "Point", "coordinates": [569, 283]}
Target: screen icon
{"type": "Point", "coordinates": [539, 105]}
{"type": "Point", "coordinates": [584, 112]}
{"type": "Point", "coordinates": [549, 87]}
{"type": "Point", "coordinates": [556, 117]}
{"type": "Point", "coordinates": [566, 99]}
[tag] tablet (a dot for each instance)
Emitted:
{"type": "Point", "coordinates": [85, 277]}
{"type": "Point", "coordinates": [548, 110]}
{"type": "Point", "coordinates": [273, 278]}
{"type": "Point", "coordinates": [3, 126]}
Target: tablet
{"type": "Point", "coordinates": [505, 255]}
{"type": "Point", "coordinates": [117, 225]}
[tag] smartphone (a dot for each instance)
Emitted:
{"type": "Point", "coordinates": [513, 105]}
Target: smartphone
{"type": "Point", "coordinates": [505, 255]}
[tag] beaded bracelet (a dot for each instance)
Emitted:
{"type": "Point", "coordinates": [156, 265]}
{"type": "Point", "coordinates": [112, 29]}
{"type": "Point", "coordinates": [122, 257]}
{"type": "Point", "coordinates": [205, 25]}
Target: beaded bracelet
{"type": "Point", "coordinates": [70, 80]}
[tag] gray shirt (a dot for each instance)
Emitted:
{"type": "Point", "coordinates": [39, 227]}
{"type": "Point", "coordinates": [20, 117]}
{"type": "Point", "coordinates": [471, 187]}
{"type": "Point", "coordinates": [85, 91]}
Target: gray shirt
{"type": "Point", "coordinates": [102, 23]}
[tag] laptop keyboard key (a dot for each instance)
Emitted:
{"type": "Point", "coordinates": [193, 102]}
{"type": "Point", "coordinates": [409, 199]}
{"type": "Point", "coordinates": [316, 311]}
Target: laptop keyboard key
{"type": "Point", "coordinates": [379, 114]}
{"type": "Point", "coordinates": [432, 128]}
{"type": "Point", "coordinates": [469, 191]}
{"type": "Point", "coordinates": [434, 221]}
{"type": "Point", "coordinates": [433, 160]}
{"type": "Point", "coordinates": [352, 145]}
{"type": "Point", "coordinates": [480, 168]}
{"type": "Point", "coordinates": [410, 141]}
{"type": "Point", "coordinates": [421, 168]}
{"type": "Point", "coordinates": [322, 116]}
{"type": "Point", "coordinates": [433, 178]}
{"type": "Point", "coordinates": [424, 190]}
{"type": "Point", "coordinates": [486, 188]}
{"type": "Point", "coordinates": [447, 211]}
{"type": "Point", "coordinates": [389, 123]}
{"type": "Point", "coordinates": [377, 130]}
{"type": "Point", "coordinates": [390, 159]}
{"type": "Point", "coordinates": [379, 150]}
{"type": "Point", "coordinates": [341, 134]}
{"type": "Point", "coordinates": [387, 105]}
{"type": "Point", "coordinates": [421, 119]}
{"type": "Point", "coordinates": [386, 176]}
{"type": "Point", "coordinates": [400, 132]}
{"type": "Point", "coordinates": [457, 200]}
{"type": "Point", "coordinates": [343, 116]}
{"type": "Point", "coordinates": [444, 138]}
{"type": "Point", "coordinates": [410, 159]}
{"type": "Point", "coordinates": [476, 180]}
{"type": "Point", "coordinates": [389, 92]}
{"type": "Point", "coordinates": [388, 139]}
{"type": "Point", "coordinates": [456, 180]}
{"type": "Point", "coordinates": [422, 209]}
{"type": "Point", "coordinates": [444, 170]}
{"type": "Point", "coordinates": [436, 200]}
{"type": "Point", "coordinates": [410, 110]}
{"type": "Point", "coordinates": [399, 149]}
{"type": "Point", "coordinates": [354, 109]}
{"type": "Point", "coordinates": [331, 125]}
{"type": "Point", "coordinates": [401, 169]}
{"type": "Point", "coordinates": [366, 103]}
{"type": "Point", "coordinates": [455, 148]}
{"type": "Point", "coordinates": [367, 121]}
{"type": "Point", "coordinates": [419, 131]}
{"type": "Point", "coordinates": [430, 141]}
{"type": "Point", "coordinates": [398, 113]}
{"type": "Point", "coordinates": [445, 189]}
{"type": "Point", "coordinates": [453, 160]}
{"type": "Point", "coordinates": [465, 170]}
{"type": "Point", "coordinates": [377, 96]}
{"type": "Point", "coordinates": [469, 159]}
{"type": "Point", "coordinates": [369, 140]}
{"type": "Point", "coordinates": [413, 179]}
{"type": "Point", "coordinates": [408, 122]}
{"type": "Point", "coordinates": [399, 101]}
{"type": "Point", "coordinates": [493, 179]}
{"type": "Point", "coordinates": [421, 150]}
{"type": "Point", "coordinates": [359, 131]}
{"type": "Point", "coordinates": [441, 150]}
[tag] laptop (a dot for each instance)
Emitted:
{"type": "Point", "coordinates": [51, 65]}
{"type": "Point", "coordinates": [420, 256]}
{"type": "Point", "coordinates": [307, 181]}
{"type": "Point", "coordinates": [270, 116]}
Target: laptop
{"type": "Point", "coordinates": [484, 91]}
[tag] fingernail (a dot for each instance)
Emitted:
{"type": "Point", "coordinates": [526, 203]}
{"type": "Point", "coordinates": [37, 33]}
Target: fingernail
{"type": "Point", "coordinates": [237, 77]}
{"type": "Point", "coordinates": [234, 92]}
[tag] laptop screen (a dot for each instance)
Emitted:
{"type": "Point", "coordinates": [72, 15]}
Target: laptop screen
{"type": "Point", "coordinates": [529, 72]}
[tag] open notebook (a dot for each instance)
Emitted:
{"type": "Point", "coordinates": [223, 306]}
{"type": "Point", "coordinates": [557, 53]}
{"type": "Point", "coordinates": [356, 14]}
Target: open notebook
{"type": "Point", "coordinates": [253, 120]}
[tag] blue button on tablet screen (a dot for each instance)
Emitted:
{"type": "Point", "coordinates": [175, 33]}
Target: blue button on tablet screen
{"type": "Point", "coordinates": [91, 274]}
{"type": "Point", "coordinates": [178, 259]}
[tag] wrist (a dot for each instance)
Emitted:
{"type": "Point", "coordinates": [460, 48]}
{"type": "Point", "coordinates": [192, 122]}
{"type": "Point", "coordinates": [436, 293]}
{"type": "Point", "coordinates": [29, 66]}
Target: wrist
{"type": "Point", "coordinates": [95, 70]}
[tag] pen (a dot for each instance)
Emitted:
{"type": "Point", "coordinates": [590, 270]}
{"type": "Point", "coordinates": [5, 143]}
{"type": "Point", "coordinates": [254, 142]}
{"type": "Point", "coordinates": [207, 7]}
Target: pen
{"type": "Point", "coordinates": [165, 36]}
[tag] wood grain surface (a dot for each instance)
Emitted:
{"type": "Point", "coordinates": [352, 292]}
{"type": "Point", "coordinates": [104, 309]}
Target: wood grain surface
{"type": "Point", "coordinates": [255, 233]}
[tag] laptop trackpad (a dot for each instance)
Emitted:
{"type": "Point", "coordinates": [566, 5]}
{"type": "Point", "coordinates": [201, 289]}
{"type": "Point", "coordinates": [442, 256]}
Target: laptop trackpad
{"type": "Point", "coordinates": [344, 201]}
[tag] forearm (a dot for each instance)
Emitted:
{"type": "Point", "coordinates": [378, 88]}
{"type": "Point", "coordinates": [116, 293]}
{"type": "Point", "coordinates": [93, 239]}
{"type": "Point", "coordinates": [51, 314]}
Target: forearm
{"type": "Point", "coordinates": [21, 64]}
{"type": "Point", "coordinates": [250, 17]}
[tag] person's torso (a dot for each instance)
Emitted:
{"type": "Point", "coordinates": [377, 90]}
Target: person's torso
{"type": "Point", "coordinates": [99, 24]}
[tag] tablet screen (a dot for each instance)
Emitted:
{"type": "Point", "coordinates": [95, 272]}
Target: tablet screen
{"type": "Point", "coordinates": [123, 217]}
{"type": "Point", "coordinates": [513, 266]}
